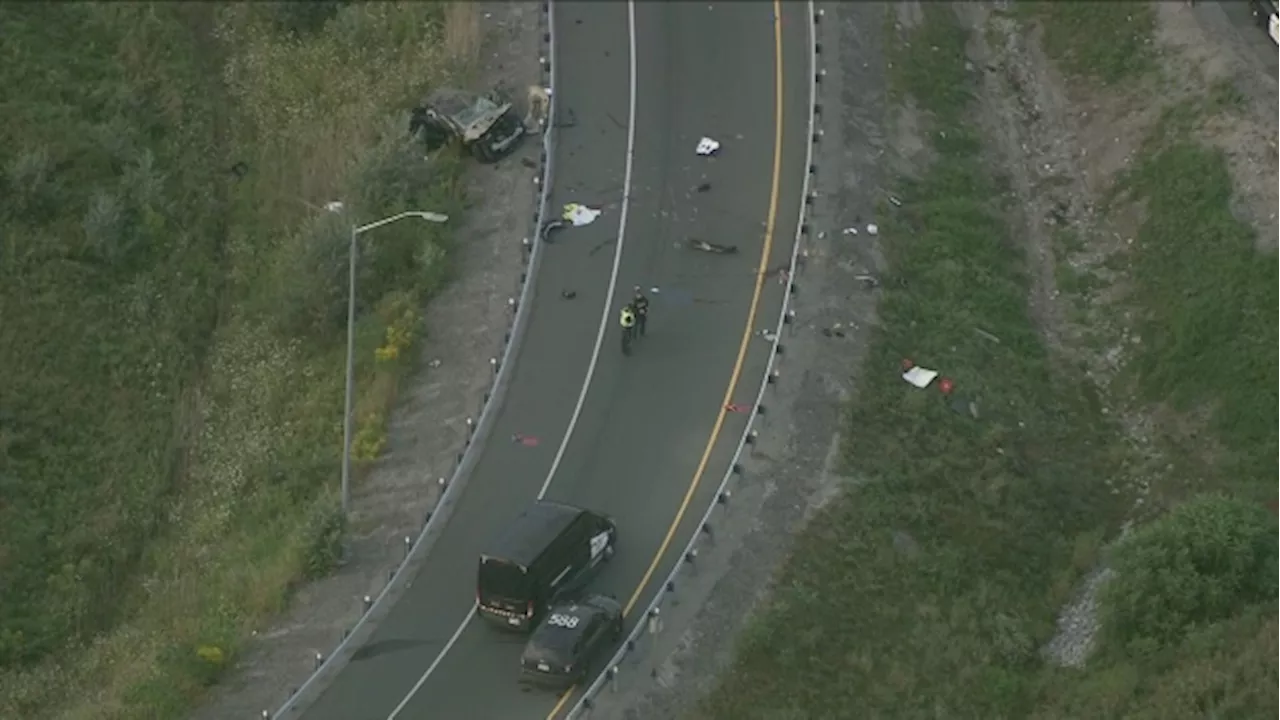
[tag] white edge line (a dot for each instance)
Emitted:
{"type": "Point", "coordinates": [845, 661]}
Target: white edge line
{"type": "Point", "coordinates": [596, 685]}
{"type": "Point", "coordinates": [595, 352]}
{"type": "Point", "coordinates": [434, 663]}
{"type": "Point", "coordinates": [487, 413]}
{"type": "Point", "coordinates": [617, 259]}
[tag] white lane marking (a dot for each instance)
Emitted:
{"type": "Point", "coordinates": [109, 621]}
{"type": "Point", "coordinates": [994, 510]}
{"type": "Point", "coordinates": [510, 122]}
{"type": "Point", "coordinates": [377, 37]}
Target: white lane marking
{"type": "Point", "coordinates": [617, 256]}
{"type": "Point", "coordinates": [434, 664]}
{"type": "Point", "coordinates": [595, 352]}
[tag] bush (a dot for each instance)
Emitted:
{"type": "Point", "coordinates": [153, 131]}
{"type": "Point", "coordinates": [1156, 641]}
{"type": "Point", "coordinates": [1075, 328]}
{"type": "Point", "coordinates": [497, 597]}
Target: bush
{"type": "Point", "coordinates": [308, 298]}
{"type": "Point", "coordinates": [324, 550]}
{"type": "Point", "coordinates": [370, 438]}
{"type": "Point", "coordinates": [305, 294]}
{"type": "Point", "coordinates": [403, 319]}
{"type": "Point", "coordinates": [1193, 567]}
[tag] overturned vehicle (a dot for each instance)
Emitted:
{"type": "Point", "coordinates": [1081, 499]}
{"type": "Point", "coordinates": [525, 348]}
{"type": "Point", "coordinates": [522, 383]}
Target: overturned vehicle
{"type": "Point", "coordinates": [486, 125]}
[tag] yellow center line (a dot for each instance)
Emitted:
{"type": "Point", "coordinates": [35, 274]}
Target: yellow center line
{"type": "Point", "coordinates": [747, 334]}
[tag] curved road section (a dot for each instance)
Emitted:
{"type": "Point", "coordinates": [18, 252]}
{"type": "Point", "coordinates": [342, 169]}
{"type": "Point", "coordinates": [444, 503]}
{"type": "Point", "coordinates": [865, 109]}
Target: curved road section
{"type": "Point", "coordinates": [639, 440]}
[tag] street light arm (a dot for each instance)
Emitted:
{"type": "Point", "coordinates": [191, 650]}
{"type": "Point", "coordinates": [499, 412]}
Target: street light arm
{"type": "Point", "coordinates": [428, 216]}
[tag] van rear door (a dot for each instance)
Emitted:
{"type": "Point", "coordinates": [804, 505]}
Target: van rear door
{"type": "Point", "coordinates": [504, 585]}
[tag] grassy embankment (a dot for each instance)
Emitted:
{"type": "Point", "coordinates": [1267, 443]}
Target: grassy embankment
{"type": "Point", "coordinates": [174, 313]}
{"type": "Point", "coordinates": [1190, 624]}
{"type": "Point", "coordinates": [928, 588]}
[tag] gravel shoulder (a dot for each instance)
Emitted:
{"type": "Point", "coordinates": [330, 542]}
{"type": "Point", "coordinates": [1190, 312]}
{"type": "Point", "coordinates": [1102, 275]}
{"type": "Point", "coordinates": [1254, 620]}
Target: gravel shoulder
{"type": "Point", "coordinates": [464, 325]}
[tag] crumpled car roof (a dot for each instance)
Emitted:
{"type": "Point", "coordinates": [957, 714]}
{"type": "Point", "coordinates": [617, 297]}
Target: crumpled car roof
{"type": "Point", "coordinates": [464, 107]}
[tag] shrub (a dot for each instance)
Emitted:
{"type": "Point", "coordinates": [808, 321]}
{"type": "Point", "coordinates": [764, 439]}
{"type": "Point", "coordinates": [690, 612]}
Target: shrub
{"type": "Point", "coordinates": [403, 320]}
{"type": "Point", "coordinates": [324, 550]}
{"type": "Point", "coordinates": [308, 296]}
{"type": "Point", "coordinates": [1195, 566]}
{"type": "Point", "coordinates": [370, 438]}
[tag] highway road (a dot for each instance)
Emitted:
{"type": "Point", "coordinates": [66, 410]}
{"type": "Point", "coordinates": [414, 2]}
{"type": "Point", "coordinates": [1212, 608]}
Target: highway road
{"type": "Point", "coordinates": [646, 437]}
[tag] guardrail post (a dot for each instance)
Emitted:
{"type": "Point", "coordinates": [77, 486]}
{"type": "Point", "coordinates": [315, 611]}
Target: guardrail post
{"type": "Point", "coordinates": [653, 625]}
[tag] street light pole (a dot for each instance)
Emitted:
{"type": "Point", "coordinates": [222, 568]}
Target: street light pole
{"type": "Point", "coordinates": [347, 421]}
{"type": "Point", "coordinates": [351, 372]}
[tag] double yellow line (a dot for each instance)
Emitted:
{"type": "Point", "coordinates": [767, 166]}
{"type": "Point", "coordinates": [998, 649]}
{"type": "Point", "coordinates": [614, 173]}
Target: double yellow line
{"type": "Point", "coordinates": [747, 334]}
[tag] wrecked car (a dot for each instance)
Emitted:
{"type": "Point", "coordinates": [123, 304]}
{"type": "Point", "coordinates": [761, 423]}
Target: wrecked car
{"type": "Point", "coordinates": [487, 125]}
{"type": "Point", "coordinates": [1267, 15]}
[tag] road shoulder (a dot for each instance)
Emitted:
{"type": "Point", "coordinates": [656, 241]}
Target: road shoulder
{"type": "Point", "coordinates": [465, 326]}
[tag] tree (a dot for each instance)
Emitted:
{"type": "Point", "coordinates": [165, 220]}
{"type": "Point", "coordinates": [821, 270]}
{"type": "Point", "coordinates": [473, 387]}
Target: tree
{"type": "Point", "coordinates": [1198, 564]}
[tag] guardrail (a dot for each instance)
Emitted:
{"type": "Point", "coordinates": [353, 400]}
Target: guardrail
{"type": "Point", "coordinates": [749, 433]}
{"type": "Point", "coordinates": [478, 429]}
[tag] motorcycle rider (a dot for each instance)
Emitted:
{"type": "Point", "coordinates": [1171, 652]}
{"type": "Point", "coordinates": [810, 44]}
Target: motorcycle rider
{"type": "Point", "coordinates": [627, 318]}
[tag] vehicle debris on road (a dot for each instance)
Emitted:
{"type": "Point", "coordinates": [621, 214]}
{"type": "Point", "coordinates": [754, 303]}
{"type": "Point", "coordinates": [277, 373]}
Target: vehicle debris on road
{"type": "Point", "coordinates": [713, 248]}
{"type": "Point", "coordinates": [707, 146]}
{"type": "Point", "coordinates": [579, 215]}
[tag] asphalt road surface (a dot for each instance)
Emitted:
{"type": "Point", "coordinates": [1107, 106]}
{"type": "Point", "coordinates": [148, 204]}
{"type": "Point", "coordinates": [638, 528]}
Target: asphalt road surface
{"type": "Point", "coordinates": [642, 447]}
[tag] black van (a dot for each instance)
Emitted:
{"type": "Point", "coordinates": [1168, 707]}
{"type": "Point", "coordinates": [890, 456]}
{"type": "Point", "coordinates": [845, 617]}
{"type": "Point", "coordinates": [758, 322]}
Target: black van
{"type": "Point", "coordinates": [549, 552]}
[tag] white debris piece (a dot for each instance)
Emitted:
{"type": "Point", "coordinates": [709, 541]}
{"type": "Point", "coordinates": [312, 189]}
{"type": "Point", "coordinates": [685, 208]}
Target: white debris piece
{"type": "Point", "coordinates": [579, 215]}
{"type": "Point", "coordinates": [920, 377]}
{"type": "Point", "coordinates": [873, 229]}
{"type": "Point", "coordinates": [707, 146]}
{"type": "Point", "coordinates": [850, 231]}
{"type": "Point", "coordinates": [333, 206]}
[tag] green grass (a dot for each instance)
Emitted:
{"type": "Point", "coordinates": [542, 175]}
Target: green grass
{"type": "Point", "coordinates": [1207, 295]}
{"type": "Point", "coordinates": [173, 335]}
{"type": "Point", "coordinates": [1106, 42]}
{"type": "Point", "coordinates": [1203, 294]}
{"type": "Point", "coordinates": [928, 590]}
